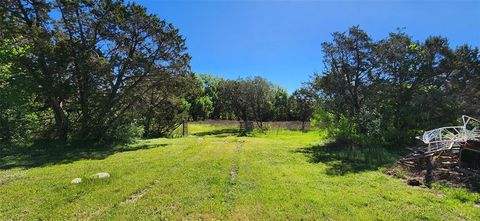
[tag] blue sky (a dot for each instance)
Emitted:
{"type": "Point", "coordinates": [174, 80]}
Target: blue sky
{"type": "Point", "coordinates": [281, 40]}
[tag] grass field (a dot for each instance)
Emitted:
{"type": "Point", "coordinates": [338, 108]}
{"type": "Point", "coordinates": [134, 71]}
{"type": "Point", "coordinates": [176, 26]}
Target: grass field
{"type": "Point", "coordinates": [216, 175]}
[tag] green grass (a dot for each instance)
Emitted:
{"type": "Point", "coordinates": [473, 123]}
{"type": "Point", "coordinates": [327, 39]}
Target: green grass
{"type": "Point", "coordinates": [215, 175]}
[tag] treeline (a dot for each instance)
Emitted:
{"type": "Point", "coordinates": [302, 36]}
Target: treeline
{"type": "Point", "coordinates": [388, 91]}
{"type": "Point", "coordinates": [250, 99]}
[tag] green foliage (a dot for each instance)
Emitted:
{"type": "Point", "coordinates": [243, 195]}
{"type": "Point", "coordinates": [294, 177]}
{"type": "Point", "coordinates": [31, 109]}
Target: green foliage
{"type": "Point", "coordinates": [164, 120]}
{"type": "Point", "coordinates": [202, 107]}
{"type": "Point", "coordinates": [18, 118]}
{"type": "Point", "coordinates": [385, 92]}
{"type": "Point", "coordinates": [251, 99]}
{"type": "Point", "coordinates": [202, 102]}
{"type": "Point", "coordinates": [256, 99]}
{"type": "Point", "coordinates": [281, 105]}
{"type": "Point", "coordinates": [303, 103]}
{"type": "Point", "coordinates": [339, 127]}
{"type": "Point", "coordinates": [125, 132]}
{"type": "Point", "coordinates": [82, 70]}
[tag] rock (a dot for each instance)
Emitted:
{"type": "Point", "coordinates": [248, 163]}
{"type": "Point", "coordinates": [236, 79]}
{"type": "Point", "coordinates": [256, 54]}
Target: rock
{"type": "Point", "coordinates": [413, 182]}
{"type": "Point", "coordinates": [76, 181]}
{"type": "Point", "coordinates": [102, 175]}
{"type": "Point", "coordinates": [439, 195]}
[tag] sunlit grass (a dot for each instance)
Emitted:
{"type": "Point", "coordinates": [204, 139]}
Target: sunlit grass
{"type": "Point", "coordinates": [215, 174]}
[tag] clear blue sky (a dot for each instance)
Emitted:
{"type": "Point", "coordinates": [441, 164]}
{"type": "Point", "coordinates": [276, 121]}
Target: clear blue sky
{"type": "Point", "coordinates": [281, 40]}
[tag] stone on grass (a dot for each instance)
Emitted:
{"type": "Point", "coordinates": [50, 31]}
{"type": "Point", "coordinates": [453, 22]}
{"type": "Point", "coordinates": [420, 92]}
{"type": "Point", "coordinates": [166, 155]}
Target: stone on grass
{"type": "Point", "coordinates": [76, 181]}
{"type": "Point", "coordinates": [102, 175]}
{"type": "Point", "coordinates": [439, 195]}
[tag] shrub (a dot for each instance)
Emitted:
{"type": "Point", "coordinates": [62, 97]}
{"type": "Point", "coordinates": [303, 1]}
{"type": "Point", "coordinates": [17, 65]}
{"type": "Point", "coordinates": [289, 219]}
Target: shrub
{"type": "Point", "coordinates": [124, 133]}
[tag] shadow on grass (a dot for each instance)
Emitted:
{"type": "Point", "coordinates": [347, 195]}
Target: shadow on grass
{"type": "Point", "coordinates": [219, 133]}
{"type": "Point", "coordinates": [343, 159]}
{"type": "Point", "coordinates": [44, 154]}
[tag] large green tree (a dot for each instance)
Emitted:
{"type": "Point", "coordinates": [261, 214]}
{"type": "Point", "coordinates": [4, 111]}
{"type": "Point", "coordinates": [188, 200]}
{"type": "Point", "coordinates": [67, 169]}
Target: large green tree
{"type": "Point", "coordinates": [94, 60]}
{"type": "Point", "coordinates": [349, 63]}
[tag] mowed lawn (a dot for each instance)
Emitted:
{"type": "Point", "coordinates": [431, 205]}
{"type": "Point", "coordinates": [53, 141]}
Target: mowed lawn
{"type": "Point", "coordinates": [216, 175]}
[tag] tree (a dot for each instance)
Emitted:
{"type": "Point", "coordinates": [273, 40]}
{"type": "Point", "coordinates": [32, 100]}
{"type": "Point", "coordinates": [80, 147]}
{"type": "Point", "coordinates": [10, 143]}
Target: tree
{"type": "Point", "coordinates": [348, 65]}
{"type": "Point", "coordinates": [250, 99]}
{"type": "Point", "coordinates": [397, 80]}
{"type": "Point", "coordinates": [94, 60]}
{"type": "Point", "coordinates": [281, 105]}
{"type": "Point", "coordinates": [346, 84]}
{"type": "Point", "coordinates": [30, 21]}
{"type": "Point", "coordinates": [464, 83]}
{"type": "Point", "coordinates": [165, 106]}
{"type": "Point", "coordinates": [202, 104]}
{"type": "Point", "coordinates": [19, 109]}
{"type": "Point", "coordinates": [140, 51]}
{"type": "Point", "coordinates": [304, 103]}
{"type": "Point", "coordinates": [260, 97]}
{"type": "Point", "coordinates": [232, 97]}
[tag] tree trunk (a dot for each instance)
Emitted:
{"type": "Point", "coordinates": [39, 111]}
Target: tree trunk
{"type": "Point", "coordinates": [85, 130]}
{"type": "Point", "coordinates": [5, 133]}
{"type": "Point", "coordinates": [148, 123]}
{"type": "Point", "coordinates": [61, 122]}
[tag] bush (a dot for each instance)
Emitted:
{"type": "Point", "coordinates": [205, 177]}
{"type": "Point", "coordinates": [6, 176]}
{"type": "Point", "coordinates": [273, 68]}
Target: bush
{"type": "Point", "coordinates": [124, 133]}
{"type": "Point", "coordinates": [369, 128]}
{"type": "Point", "coordinates": [337, 126]}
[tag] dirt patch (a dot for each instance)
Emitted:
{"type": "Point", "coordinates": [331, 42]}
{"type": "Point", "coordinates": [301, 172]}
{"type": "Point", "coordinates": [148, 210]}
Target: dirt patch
{"type": "Point", "coordinates": [5, 178]}
{"type": "Point", "coordinates": [133, 198]}
{"type": "Point", "coordinates": [233, 174]}
{"type": "Point", "coordinates": [234, 170]}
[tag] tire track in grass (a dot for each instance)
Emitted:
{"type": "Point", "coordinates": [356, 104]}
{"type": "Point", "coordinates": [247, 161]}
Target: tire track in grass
{"type": "Point", "coordinates": [144, 190]}
{"type": "Point", "coordinates": [140, 193]}
{"type": "Point", "coordinates": [102, 213]}
{"type": "Point", "coordinates": [234, 175]}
